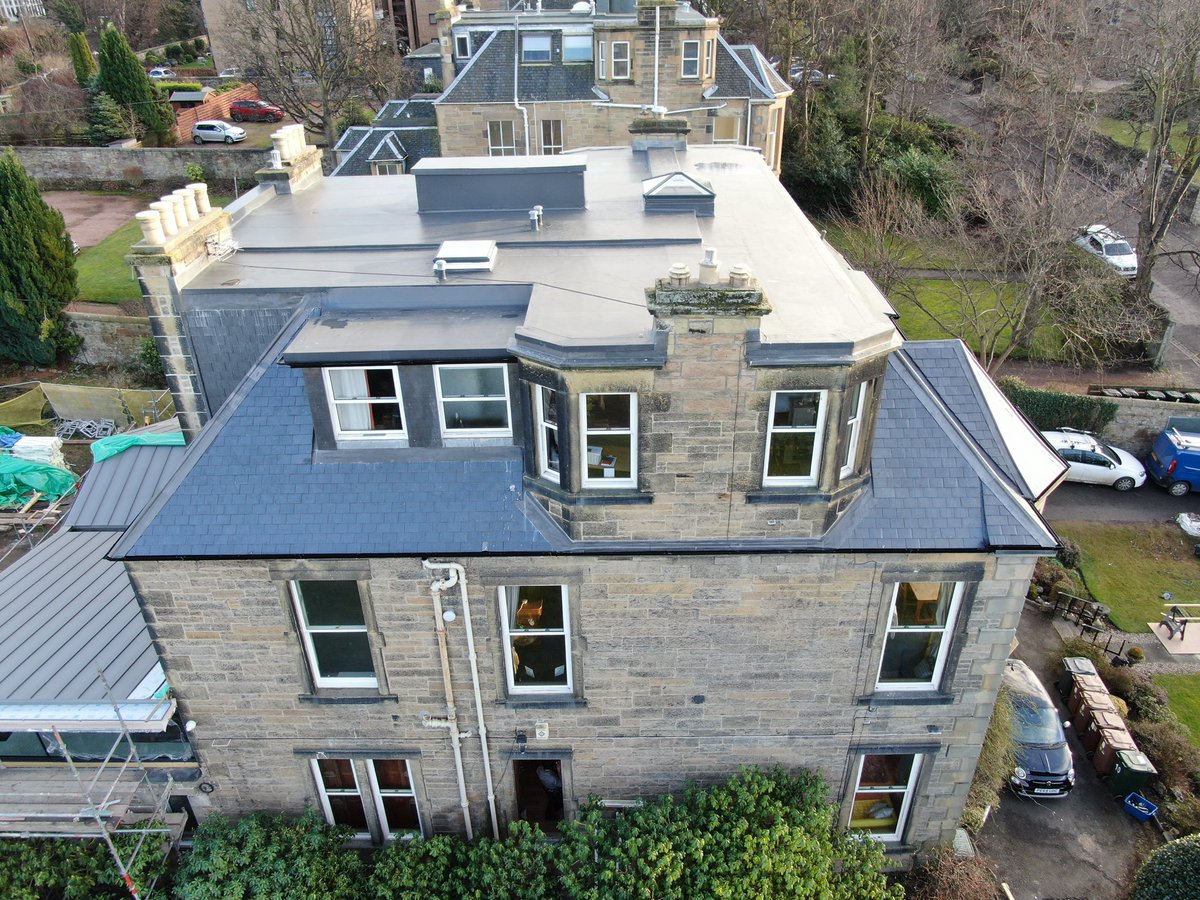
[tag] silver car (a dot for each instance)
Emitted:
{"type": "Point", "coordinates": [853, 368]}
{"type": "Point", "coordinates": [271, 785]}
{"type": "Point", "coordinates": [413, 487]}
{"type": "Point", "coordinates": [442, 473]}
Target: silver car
{"type": "Point", "coordinates": [1102, 241]}
{"type": "Point", "coordinates": [216, 130]}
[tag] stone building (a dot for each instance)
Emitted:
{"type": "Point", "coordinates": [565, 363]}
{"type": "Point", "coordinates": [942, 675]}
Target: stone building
{"type": "Point", "coordinates": [601, 471]}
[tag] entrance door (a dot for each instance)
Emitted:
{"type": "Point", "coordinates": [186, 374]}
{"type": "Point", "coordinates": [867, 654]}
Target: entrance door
{"type": "Point", "coordinates": [539, 789]}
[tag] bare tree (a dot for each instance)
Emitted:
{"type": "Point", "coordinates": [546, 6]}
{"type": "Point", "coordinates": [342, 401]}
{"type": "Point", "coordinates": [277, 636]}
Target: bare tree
{"type": "Point", "coordinates": [1166, 55]}
{"type": "Point", "coordinates": [314, 58]}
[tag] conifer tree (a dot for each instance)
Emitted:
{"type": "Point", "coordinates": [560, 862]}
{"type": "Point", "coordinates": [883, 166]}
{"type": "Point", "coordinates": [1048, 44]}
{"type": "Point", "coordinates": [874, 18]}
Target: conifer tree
{"type": "Point", "coordinates": [107, 122]}
{"type": "Point", "coordinates": [126, 82]}
{"type": "Point", "coordinates": [82, 60]}
{"type": "Point", "coordinates": [37, 270]}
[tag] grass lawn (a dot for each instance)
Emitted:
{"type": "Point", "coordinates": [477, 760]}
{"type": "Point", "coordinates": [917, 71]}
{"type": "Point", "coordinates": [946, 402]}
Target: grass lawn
{"type": "Point", "coordinates": [910, 253]}
{"type": "Point", "coordinates": [104, 275]}
{"type": "Point", "coordinates": [1129, 567]}
{"type": "Point", "coordinates": [1184, 692]}
{"type": "Point", "coordinates": [1124, 133]}
{"type": "Point", "coordinates": [941, 296]}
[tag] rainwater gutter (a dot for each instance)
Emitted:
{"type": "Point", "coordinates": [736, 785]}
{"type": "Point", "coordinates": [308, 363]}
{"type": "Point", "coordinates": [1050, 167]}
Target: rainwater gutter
{"type": "Point", "coordinates": [516, 72]}
{"type": "Point", "coordinates": [657, 9]}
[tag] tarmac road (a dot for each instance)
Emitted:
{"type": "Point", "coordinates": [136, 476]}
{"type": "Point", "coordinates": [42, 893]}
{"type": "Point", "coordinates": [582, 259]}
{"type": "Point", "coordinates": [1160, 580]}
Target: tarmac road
{"type": "Point", "coordinates": [1093, 503]}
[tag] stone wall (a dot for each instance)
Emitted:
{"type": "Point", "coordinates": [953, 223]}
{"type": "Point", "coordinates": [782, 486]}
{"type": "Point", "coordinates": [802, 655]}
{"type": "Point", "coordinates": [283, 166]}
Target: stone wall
{"type": "Point", "coordinates": [1139, 422]}
{"type": "Point", "coordinates": [685, 668]}
{"type": "Point", "coordinates": [109, 340]}
{"type": "Point", "coordinates": [125, 168]}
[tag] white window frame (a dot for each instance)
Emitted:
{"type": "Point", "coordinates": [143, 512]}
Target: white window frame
{"type": "Point", "coordinates": [387, 168]}
{"type": "Point", "coordinates": [503, 148]}
{"type": "Point", "coordinates": [905, 805]}
{"type": "Point", "coordinates": [448, 432]}
{"type": "Point", "coordinates": [691, 60]}
{"type": "Point", "coordinates": [602, 60]}
{"type": "Point", "coordinates": [817, 430]}
{"type": "Point", "coordinates": [710, 54]}
{"type": "Point", "coordinates": [579, 40]}
{"type": "Point", "coordinates": [774, 143]}
{"type": "Point", "coordinates": [462, 44]}
{"type": "Point", "coordinates": [854, 424]}
{"type": "Point", "coordinates": [947, 635]}
{"type": "Point", "coordinates": [552, 148]}
{"type": "Point", "coordinates": [737, 129]}
{"type": "Point", "coordinates": [539, 39]}
{"type": "Point", "coordinates": [586, 433]}
{"type": "Point", "coordinates": [334, 403]}
{"type": "Point", "coordinates": [542, 426]}
{"type": "Point", "coordinates": [323, 793]}
{"type": "Point", "coordinates": [378, 793]}
{"type": "Point", "coordinates": [310, 650]}
{"type": "Point", "coordinates": [513, 686]}
{"type": "Point", "coordinates": [622, 63]}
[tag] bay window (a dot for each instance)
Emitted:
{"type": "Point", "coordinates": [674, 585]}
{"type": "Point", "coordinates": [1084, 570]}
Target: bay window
{"type": "Point", "coordinates": [365, 402]}
{"type": "Point", "coordinates": [920, 626]}
{"type": "Point", "coordinates": [609, 430]}
{"type": "Point", "coordinates": [851, 431]}
{"type": "Point", "coordinates": [545, 408]}
{"type": "Point", "coordinates": [691, 59]}
{"type": "Point", "coordinates": [620, 60]}
{"type": "Point", "coordinates": [536, 627]}
{"type": "Point", "coordinates": [795, 424]}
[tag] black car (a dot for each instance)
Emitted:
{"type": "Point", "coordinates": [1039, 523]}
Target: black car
{"type": "Point", "coordinates": [1045, 767]}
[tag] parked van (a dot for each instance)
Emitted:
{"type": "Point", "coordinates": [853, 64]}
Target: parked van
{"type": "Point", "coordinates": [1174, 462]}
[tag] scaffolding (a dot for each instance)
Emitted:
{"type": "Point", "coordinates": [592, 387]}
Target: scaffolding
{"type": "Point", "coordinates": [100, 801]}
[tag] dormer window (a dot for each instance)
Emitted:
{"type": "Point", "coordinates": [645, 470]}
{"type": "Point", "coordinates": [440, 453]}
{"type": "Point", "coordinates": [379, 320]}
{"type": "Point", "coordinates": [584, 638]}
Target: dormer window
{"type": "Point", "coordinates": [462, 45]}
{"type": "Point", "coordinates": [796, 421]}
{"type": "Point", "coordinates": [473, 400]}
{"type": "Point", "coordinates": [365, 402]}
{"type": "Point", "coordinates": [535, 48]}
{"type": "Point", "coordinates": [577, 48]}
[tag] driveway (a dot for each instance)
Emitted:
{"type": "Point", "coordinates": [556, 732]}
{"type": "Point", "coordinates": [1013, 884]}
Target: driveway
{"type": "Point", "coordinates": [91, 217]}
{"type": "Point", "coordinates": [1082, 847]}
{"type": "Point", "coordinates": [1093, 503]}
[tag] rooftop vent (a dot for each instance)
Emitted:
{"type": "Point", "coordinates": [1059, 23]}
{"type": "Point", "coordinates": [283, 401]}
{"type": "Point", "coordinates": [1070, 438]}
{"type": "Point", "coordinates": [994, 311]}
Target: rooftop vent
{"type": "Point", "coordinates": [466, 256]}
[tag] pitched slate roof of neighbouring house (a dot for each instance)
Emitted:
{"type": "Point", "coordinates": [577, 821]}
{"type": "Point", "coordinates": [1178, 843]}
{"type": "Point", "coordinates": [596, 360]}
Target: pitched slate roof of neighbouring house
{"type": "Point", "coordinates": [375, 144]}
{"type": "Point", "coordinates": [488, 77]}
{"type": "Point", "coordinates": [742, 71]}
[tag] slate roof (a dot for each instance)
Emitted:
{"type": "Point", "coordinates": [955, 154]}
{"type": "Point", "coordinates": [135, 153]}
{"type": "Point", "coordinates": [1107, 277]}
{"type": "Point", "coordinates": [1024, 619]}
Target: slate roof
{"type": "Point", "coordinates": [487, 77]}
{"type": "Point", "coordinates": [68, 613]}
{"type": "Point", "coordinates": [414, 111]}
{"type": "Point", "coordinates": [371, 144]}
{"type": "Point", "coordinates": [742, 71]}
{"type": "Point", "coordinates": [249, 486]}
{"type": "Point", "coordinates": [933, 485]}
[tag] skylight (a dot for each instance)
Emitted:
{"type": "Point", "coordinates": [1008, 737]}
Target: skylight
{"type": "Point", "coordinates": [468, 256]}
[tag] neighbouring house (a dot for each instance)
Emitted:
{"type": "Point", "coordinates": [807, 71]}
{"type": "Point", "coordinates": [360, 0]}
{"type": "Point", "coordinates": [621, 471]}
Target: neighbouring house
{"type": "Point", "coordinates": [81, 686]}
{"type": "Point", "coordinates": [15, 10]}
{"type": "Point", "coordinates": [601, 470]}
{"type": "Point", "coordinates": [404, 133]}
{"type": "Point", "coordinates": [541, 81]}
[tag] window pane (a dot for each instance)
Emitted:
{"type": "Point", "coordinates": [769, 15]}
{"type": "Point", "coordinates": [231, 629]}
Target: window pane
{"type": "Point", "coordinates": [796, 410]}
{"type": "Point", "coordinates": [481, 382]}
{"type": "Point", "coordinates": [614, 459]}
{"type": "Point", "coordinates": [540, 659]}
{"type": "Point", "coordinates": [922, 605]}
{"type": "Point", "coordinates": [547, 399]}
{"type": "Point", "coordinates": [401, 813]}
{"type": "Point", "coordinates": [380, 383]}
{"type": "Point", "coordinates": [477, 414]}
{"type": "Point", "coordinates": [551, 439]}
{"type": "Point", "coordinates": [337, 774]}
{"type": "Point", "coordinates": [886, 770]}
{"type": "Point", "coordinates": [607, 411]}
{"type": "Point", "coordinates": [348, 384]}
{"type": "Point", "coordinates": [791, 454]}
{"type": "Point", "coordinates": [536, 607]}
{"type": "Point", "coordinates": [535, 48]}
{"type": "Point", "coordinates": [577, 48]}
{"type": "Point", "coordinates": [343, 654]}
{"type": "Point", "coordinates": [878, 812]}
{"type": "Point", "coordinates": [392, 775]}
{"type": "Point", "coordinates": [331, 602]}
{"type": "Point", "coordinates": [910, 656]}
{"type": "Point", "coordinates": [348, 810]}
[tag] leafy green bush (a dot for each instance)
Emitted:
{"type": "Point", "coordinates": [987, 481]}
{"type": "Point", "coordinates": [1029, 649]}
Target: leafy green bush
{"type": "Point", "coordinates": [1170, 873]}
{"type": "Point", "coordinates": [1171, 750]}
{"type": "Point", "coordinates": [355, 115]}
{"type": "Point", "coordinates": [170, 86]}
{"type": "Point", "coordinates": [1069, 553]}
{"type": "Point", "coordinates": [73, 870]}
{"type": "Point", "coordinates": [173, 51]}
{"type": "Point", "coordinates": [1184, 815]}
{"type": "Point", "coordinates": [445, 868]}
{"type": "Point", "coordinates": [195, 172]}
{"type": "Point", "coordinates": [996, 762]}
{"type": "Point", "coordinates": [1050, 410]}
{"type": "Point", "coordinates": [270, 857]}
{"type": "Point", "coordinates": [199, 46]}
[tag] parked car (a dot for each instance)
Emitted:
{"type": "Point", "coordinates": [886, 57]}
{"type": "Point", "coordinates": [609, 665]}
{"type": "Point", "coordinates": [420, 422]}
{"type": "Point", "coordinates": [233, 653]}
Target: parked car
{"type": "Point", "coordinates": [254, 111]}
{"type": "Point", "coordinates": [1174, 462]}
{"type": "Point", "coordinates": [1091, 461]}
{"type": "Point", "coordinates": [798, 73]}
{"type": "Point", "coordinates": [1045, 767]}
{"type": "Point", "coordinates": [230, 73]}
{"type": "Point", "coordinates": [160, 72]}
{"type": "Point", "coordinates": [216, 130]}
{"type": "Point", "coordinates": [1102, 241]}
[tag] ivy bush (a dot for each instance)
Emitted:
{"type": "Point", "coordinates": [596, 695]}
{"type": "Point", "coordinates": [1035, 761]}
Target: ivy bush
{"type": "Point", "coordinates": [996, 762]}
{"type": "Point", "coordinates": [73, 870]}
{"type": "Point", "coordinates": [270, 857]}
{"type": "Point", "coordinates": [1170, 873]}
{"type": "Point", "coordinates": [1051, 410]}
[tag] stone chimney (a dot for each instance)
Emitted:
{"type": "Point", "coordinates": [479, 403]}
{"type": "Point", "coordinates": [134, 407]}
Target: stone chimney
{"type": "Point", "coordinates": [293, 164]}
{"type": "Point", "coordinates": [679, 294]}
{"type": "Point", "coordinates": [446, 17]}
{"type": "Point", "coordinates": [181, 233]}
{"type": "Point", "coordinates": [666, 12]}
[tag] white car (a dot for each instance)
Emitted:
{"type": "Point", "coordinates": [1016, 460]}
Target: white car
{"type": "Point", "coordinates": [1091, 461]}
{"type": "Point", "coordinates": [230, 73]}
{"type": "Point", "coordinates": [161, 73]}
{"type": "Point", "coordinates": [1102, 241]}
{"type": "Point", "coordinates": [216, 130]}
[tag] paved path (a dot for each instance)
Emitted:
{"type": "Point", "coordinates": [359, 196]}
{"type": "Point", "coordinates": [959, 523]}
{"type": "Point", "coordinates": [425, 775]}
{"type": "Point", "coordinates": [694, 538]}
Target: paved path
{"type": "Point", "coordinates": [90, 216]}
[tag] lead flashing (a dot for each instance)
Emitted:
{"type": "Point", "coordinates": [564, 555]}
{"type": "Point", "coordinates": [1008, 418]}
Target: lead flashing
{"type": "Point", "coordinates": [591, 356]}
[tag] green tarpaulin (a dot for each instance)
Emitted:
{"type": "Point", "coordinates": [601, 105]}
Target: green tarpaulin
{"type": "Point", "coordinates": [118, 443]}
{"type": "Point", "coordinates": [20, 478]}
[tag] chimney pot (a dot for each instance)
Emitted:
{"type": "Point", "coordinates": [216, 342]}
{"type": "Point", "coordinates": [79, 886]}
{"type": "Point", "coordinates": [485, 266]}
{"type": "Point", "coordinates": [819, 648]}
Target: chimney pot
{"type": "Point", "coordinates": [739, 275]}
{"type": "Point", "coordinates": [680, 275]}
{"type": "Point", "coordinates": [189, 203]}
{"type": "Point", "coordinates": [710, 268]}
{"type": "Point", "coordinates": [166, 213]}
{"type": "Point", "coordinates": [152, 230]}
{"type": "Point", "coordinates": [200, 189]}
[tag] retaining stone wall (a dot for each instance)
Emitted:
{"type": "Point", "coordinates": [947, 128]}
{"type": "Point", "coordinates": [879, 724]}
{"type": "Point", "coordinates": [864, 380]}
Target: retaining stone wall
{"type": "Point", "coordinates": [125, 168]}
{"type": "Point", "coordinates": [108, 340]}
{"type": "Point", "coordinates": [1139, 422]}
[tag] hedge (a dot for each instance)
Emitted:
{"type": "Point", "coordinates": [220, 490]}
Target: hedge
{"type": "Point", "coordinates": [1170, 873]}
{"type": "Point", "coordinates": [1052, 410]}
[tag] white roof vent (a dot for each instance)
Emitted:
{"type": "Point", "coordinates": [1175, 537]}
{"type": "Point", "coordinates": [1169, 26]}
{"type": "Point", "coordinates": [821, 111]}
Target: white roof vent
{"type": "Point", "coordinates": [582, 8]}
{"type": "Point", "coordinates": [467, 256]}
